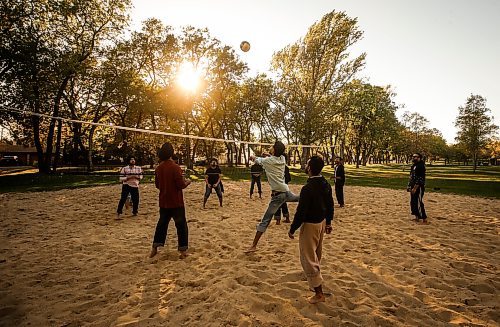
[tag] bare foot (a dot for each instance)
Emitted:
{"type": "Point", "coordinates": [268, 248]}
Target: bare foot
{"type": "Point", "coordinates": [183, 254]}
{"type": "Point", "coordinates": [153, 252]}
{"type": "Point", "coordinates": [118, 217]}
{"type": "Point", "coordinates": [251, 249]}
{"type": "Point", "coordinates": [278, 221]}
{"type": "Point", "coordinates": [424, 222]}
{"type": "Point", "coordinates": [316, 299]}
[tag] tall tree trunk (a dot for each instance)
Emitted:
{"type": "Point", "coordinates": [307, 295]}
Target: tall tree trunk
{"type": "Point", "coordinates": [189, 164]}
{"type": "Point", "coordinates": [357, 153]}
{"type": "Point", "coordinates": [306, 153]}
{"type": "Point", "coordinates": [211, 151]}
{"type": "Point", "coordinates": [342, 148]}
{"type": "Point", "coordinates": [193, 152]}
{"type": "Point", "coordinates": [58, 146]}
{"type": "Point", "coordinates": [76, 136]}
{"type": "Point", "coordinates": [247, 159]}
{"type": "Point", "coordinates": [364, 156]}
{"type": "Point", "coordinates": [35, 120]}
{"type": "Point", "coordinates": [90, 163]}
{"type": "Point", "coordinates": [42, 167]}
{"type": "Point", "coordinates": [52, 125]}
{"type": "Point", "coordinates": [229, 155]}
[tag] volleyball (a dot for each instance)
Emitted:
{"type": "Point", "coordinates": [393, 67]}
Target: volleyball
{"type": "Point", "coordinates": [244, 46]}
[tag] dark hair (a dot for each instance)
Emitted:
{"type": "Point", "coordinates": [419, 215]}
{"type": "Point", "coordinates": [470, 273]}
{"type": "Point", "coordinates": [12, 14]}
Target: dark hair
{"type": "Point", "coordinates": [130, 158]}
{"type": "Point", "coordinates": [279, 148]}
{"type": "Point", "coordinates": [418, 154]}
{"type": "Point", "coordinates": [316, 164]}
{"type": "Point", "coordinates": [212, 160]}
{"type": "Point", "coordinates": [340, 158]}
{"type": "Point", "coordinates": [166, 151]}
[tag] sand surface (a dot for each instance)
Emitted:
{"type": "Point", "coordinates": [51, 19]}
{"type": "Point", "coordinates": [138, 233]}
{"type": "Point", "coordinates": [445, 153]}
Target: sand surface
{"type": "Point", "coordinates": [64, 261]}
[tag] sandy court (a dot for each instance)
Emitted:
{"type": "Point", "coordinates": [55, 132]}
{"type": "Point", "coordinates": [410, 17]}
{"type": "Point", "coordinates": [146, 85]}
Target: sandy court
{"type": "Point", "coordinates": [64, 261]}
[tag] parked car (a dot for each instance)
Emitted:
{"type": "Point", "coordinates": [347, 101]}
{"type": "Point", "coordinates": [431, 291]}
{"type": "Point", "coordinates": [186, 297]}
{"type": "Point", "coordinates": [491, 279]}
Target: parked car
{"type": "Point", "coordinates": [200, 162]}
{"type": "Point", "coordinates": [9, 161]}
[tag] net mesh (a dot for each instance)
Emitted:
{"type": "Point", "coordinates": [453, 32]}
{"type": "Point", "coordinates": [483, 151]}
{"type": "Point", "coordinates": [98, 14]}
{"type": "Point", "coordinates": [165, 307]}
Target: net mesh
{"type": "Point", "coordinates": [111, 146]}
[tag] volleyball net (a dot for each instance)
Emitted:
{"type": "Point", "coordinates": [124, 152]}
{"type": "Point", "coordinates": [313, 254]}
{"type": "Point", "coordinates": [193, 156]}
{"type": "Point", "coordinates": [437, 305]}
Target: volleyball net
{"type": "Point", "coordinates": [111, 146]}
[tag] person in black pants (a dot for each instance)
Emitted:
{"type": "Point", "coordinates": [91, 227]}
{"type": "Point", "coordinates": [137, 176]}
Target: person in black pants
{"type": "Point", "coordinates": [129, 176]}
{"type": "Point", "coordinates": [170, 181]}
{"type": "Point", "coordinates": [284, 207]}
{"type": "Point", "coordinates": [339, 180]}
{"type": "Point", "coordinates": [213, 181]}
{"type": "Point", "coordinates": [416, 187]}
{"type": "Point", "coordinates": [256, 172]}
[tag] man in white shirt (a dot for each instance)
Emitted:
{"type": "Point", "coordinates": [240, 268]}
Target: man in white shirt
{"type": "Point", "coordinates": [274, 165]}
{"type": "Point", "coordinates": [130, 176]}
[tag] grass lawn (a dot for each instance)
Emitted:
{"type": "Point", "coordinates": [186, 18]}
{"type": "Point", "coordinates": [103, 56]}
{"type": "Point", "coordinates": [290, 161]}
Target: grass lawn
{"type": "Point", "coordinates": [484, 182]}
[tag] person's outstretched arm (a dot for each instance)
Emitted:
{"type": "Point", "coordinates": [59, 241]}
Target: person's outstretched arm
{"type": "Point", "coordinates": [179, 180]}
{"type": "Point", "coordinates": [329, 208]}
{"type": "Point", "coordinates": [157, 180]}
{"type": "Point", "coordinates": [300, 213]}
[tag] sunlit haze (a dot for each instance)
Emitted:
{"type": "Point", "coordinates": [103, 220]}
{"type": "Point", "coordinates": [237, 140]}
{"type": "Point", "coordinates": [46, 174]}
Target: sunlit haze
{"type": "Point", "coordinates": [434, 54]}
{"type": "Point", "coordinates": [188, 77]}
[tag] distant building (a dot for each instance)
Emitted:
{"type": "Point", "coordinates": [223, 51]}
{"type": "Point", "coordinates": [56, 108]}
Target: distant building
{"type": "Point", "coordinates": [27, 155]}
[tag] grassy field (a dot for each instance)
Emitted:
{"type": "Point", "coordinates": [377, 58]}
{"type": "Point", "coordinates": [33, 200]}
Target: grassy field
{"type": "Point", "coordinates": [485, 182]}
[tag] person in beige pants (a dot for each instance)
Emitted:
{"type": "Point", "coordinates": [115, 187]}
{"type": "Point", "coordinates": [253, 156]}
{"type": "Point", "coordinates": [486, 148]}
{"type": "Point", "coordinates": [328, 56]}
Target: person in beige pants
{"type": "Point", "coordinates": [314, 217]}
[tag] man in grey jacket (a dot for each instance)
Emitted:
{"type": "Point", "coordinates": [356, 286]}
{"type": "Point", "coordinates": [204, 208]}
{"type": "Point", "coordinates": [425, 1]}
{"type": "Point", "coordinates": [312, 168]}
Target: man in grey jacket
{"type": "Point", "coordinates": [274, 165]}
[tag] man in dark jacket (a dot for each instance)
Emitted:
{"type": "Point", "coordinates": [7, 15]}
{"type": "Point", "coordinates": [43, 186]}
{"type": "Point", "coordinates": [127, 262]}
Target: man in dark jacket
{"type": "Point", "coordinates": [213, 181]}
{"type": "Point", "coordinates": [416, 187]}
{"type": "Point", "coordinates": [314, 217]}
{"type": "Point", "coordinates": [339, 180]}
{"type": "Point", "coordinates": [256, 172]}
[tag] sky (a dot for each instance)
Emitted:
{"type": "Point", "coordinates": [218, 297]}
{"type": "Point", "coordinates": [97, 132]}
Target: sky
{"type": "Point", "coordinates": [434, 53]}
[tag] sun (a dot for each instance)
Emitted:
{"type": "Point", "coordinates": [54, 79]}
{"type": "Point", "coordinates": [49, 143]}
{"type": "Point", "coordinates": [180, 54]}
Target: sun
{"type": "Point", "coordinates": [188, 77]}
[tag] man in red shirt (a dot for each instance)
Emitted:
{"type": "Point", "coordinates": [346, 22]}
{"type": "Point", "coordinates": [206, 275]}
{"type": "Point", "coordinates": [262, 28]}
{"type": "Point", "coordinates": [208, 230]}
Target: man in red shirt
{"type": "Point", "coordinates": [170, 181]}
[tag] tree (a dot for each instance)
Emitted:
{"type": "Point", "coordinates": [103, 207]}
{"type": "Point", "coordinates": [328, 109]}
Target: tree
{"type": "Point", "coordinates": [370, 116]}
{"type": "Point", "coordinates": [252, 101]}
{"type": "Point", "coordinates": [475, 126]}
{"type": "Point", "coordinates": [312, 71]}
{"type": "Point", "coordinates": [493, 150]}
{"type": "Point", "coordinates": [417, 126]}
{"type": "Point", "coordinates": [44, 44]}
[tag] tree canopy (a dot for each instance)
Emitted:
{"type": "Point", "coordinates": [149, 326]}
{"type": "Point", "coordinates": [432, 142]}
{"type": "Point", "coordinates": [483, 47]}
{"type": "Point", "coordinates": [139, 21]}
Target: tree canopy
{"type": "Point", "coordinates": [74, 59]}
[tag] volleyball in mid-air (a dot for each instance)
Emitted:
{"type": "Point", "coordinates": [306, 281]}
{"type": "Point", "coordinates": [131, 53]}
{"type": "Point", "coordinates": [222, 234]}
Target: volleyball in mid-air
{"type": "Point", "coordinates": [244, 46]}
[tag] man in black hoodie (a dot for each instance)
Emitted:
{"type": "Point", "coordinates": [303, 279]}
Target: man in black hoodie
{"type": "Point", "coordinates": [314, 217]}
{"type": "Point", "coordinates": [416, 187]}
{"type": "Point", "coordinates": [339, 180]}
